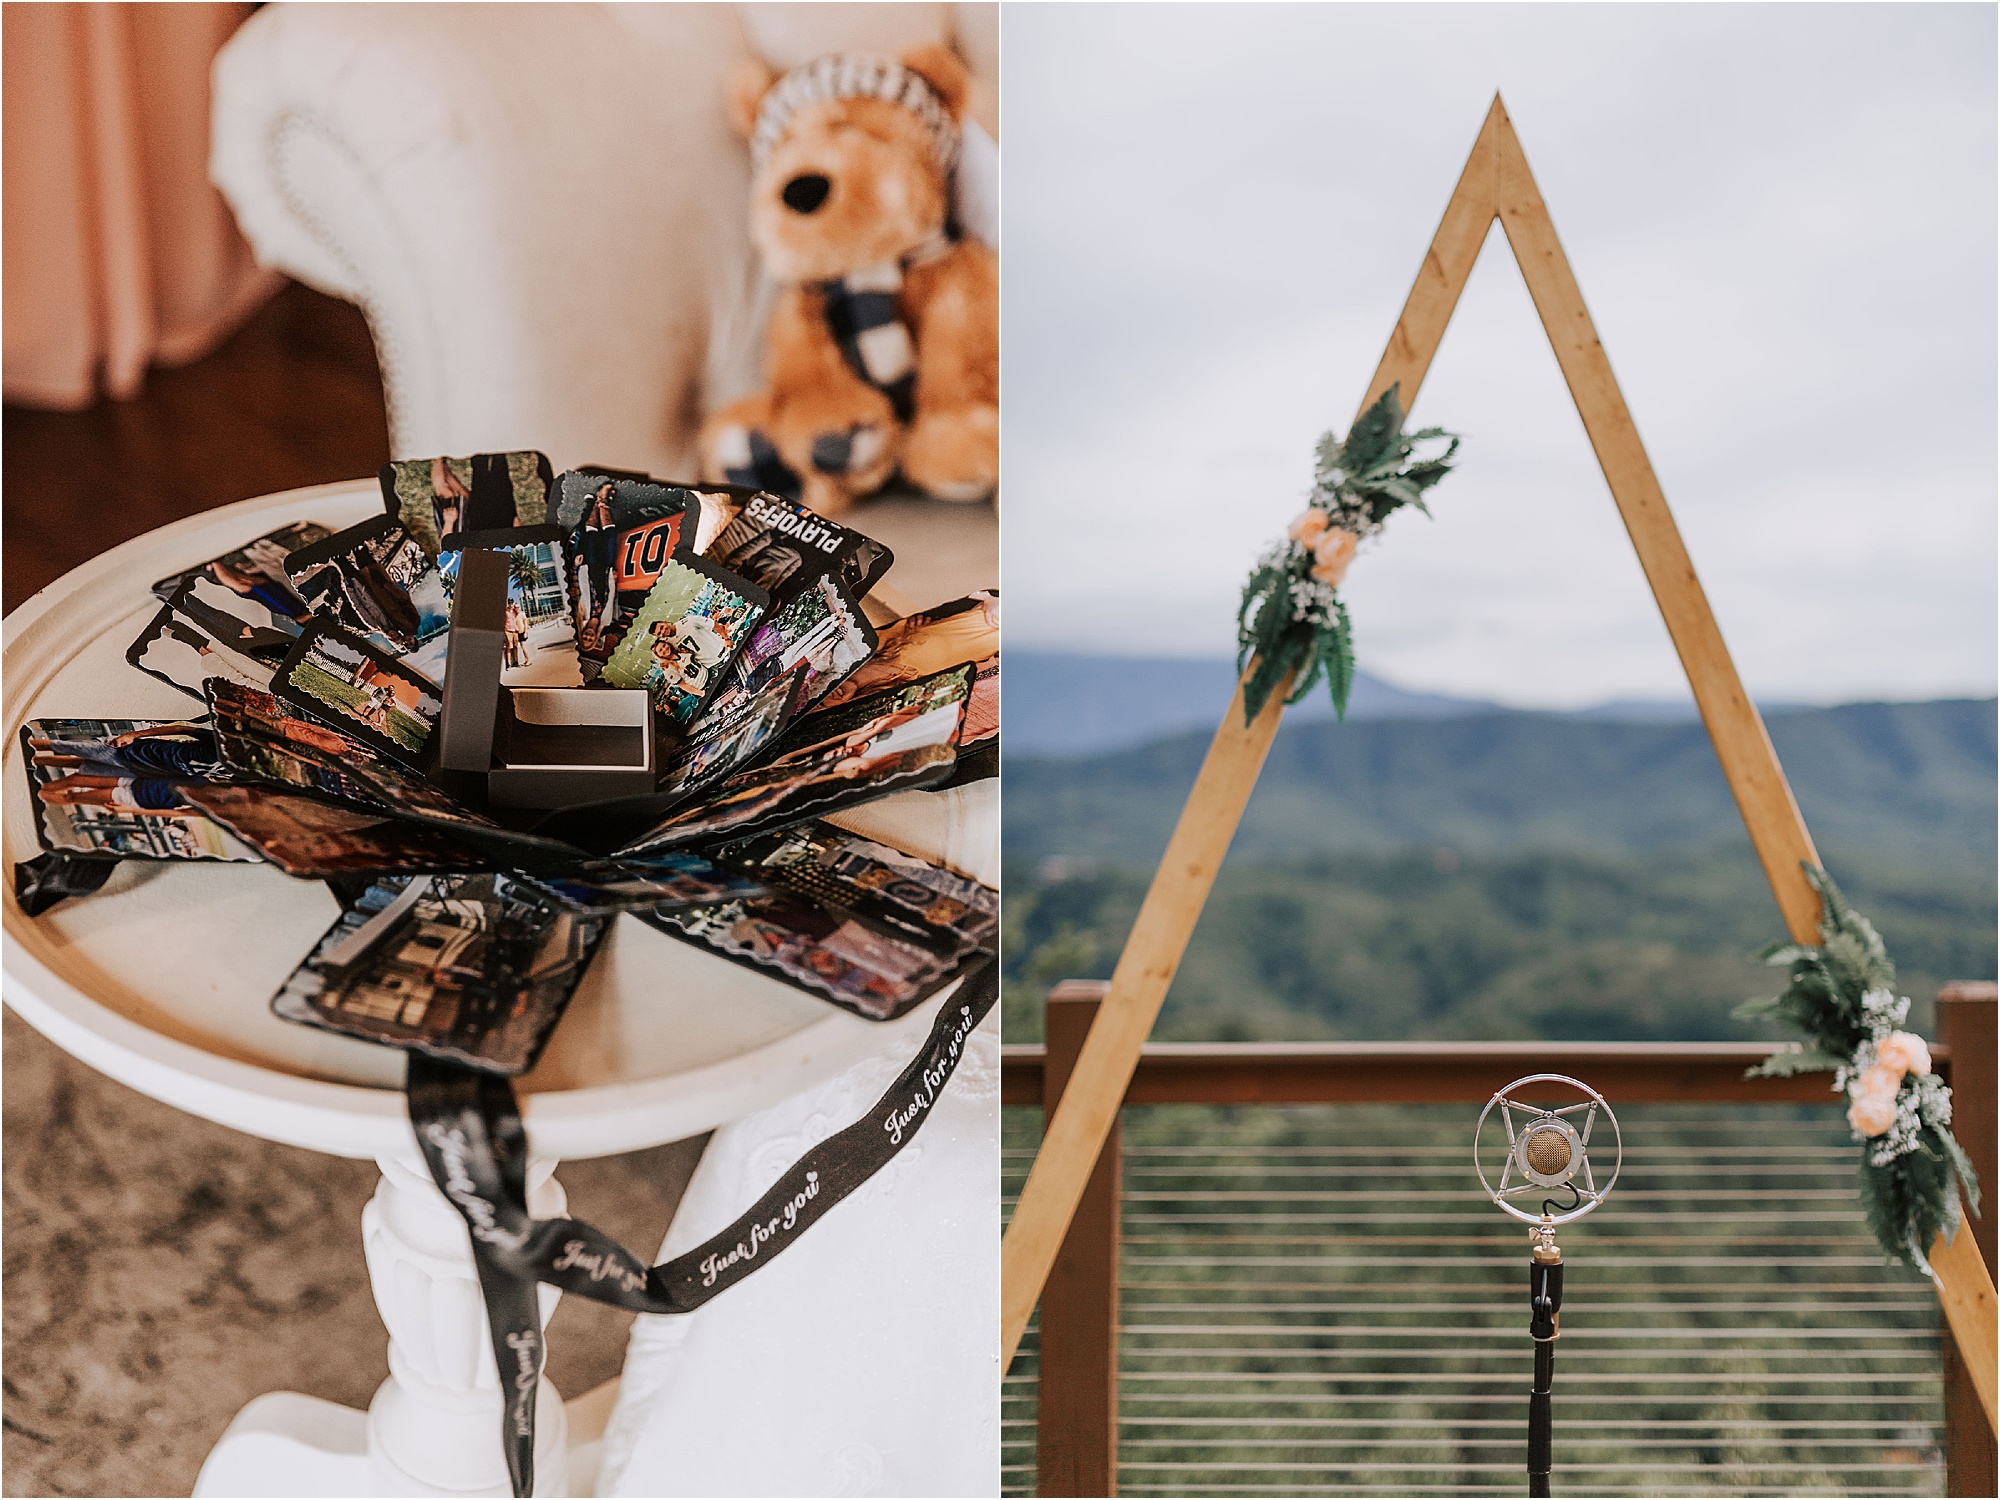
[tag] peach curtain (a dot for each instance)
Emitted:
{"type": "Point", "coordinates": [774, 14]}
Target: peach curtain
{"type": "Point", "coordinates": [117, 250]}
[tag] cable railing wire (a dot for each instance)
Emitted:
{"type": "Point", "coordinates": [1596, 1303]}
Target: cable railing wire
{"type": "Point", "coordinates": [1262, 1352]}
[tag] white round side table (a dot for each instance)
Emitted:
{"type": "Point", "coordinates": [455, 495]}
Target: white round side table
{"type": "Point", "coordinates": [162, 980]}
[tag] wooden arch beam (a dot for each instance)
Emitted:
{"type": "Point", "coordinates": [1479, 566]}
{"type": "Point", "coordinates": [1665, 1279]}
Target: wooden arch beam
{"type": "Point", "coordinates": [1496, 184]}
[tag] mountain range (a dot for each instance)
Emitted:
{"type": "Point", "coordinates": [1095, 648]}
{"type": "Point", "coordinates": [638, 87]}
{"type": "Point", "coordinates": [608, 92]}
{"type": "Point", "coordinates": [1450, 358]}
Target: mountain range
{"type": "Point", "coordinates": [1912, 782]}
{"type": "Point", "coordinates": [1067, 704]}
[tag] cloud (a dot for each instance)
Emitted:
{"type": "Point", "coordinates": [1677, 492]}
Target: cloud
{"type": "Point", "coordinates": [1782, 218]}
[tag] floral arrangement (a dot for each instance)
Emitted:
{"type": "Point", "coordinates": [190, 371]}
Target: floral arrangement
{"type": "Point", "coordinates": [1841, 997]}
{"type": "Point", "coordinates": [1292, 620]}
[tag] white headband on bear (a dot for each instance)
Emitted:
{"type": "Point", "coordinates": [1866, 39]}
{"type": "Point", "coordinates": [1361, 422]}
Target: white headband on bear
{"type": "Point", "coordinates": [847, 75]}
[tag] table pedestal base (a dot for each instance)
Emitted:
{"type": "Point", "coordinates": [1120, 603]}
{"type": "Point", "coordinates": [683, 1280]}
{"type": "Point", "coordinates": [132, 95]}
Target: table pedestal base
{"type": "Point", "coordinates": [434, 1425]}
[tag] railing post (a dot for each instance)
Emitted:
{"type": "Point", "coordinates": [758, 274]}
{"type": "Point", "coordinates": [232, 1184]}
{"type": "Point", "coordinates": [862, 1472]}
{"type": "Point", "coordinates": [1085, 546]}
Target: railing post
{"type": "Point", "coordinates": [1077, 1430]}
{"type": "Point", "coordinates": [1966, 1014]}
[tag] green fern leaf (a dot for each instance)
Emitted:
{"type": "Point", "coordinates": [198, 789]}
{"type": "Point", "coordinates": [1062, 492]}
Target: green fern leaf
{"type": "Point", "coordinates": [1791, 1061]}
{"type": "Point", "coordinates": [1340, 671]}
{"type": "Point", "coordinates": [1311, 664]}
{"type": "Point", "coordinates": [1968, 1179]}
{"type": "Point", "coordinates": [1375, 432]}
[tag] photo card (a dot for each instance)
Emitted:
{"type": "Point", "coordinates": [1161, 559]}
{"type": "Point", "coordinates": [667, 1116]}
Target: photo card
{"type": "Point", "coordinates": [825, 952]}
{"type": "Point", "coordinates": [949, 635]}
{"type": "Point", "coordinates": [475, 969]}
{"type": "Point", "coordinates": [114, 788]}
{"type": "Point", "coordinates": [672, 879]}
{"type": "Point", "coordinates": [180, 652]}
{"type": "Point", "coordinates": [917, 899]}
{"type": "Point", "coordinates": [260, 740]}
{"type": "Point", "coordinates": [435, 497]}
{"type": "Point", "coordinates": [929, 710]}
{"type": "Point", "coordinates": [624, 529]}
{"type": "Point", "coordinates": [719, 504]}
{"type": "Point", "coordinates": [982, 709]}
{"type": "Point", "coordinates": [727, 739]}
{"type": "Point", "coordinates": [377, 582]}
{"type": "Point", "coordinates": [683, 639]}
{"type": "Point", "coordinates": [902, 740]}
{"type": "Point", "coordinates": [822, 628]}
{"type": "Point", "coordinates": [318, 840]}
{"type": "Point", "coordinates": [541, 630]}
{"type": "Point", "coordinates": [365, 693]}
{"type": "Point", "coordinates": [783, 547]}
{"type": "Point", "coordinates": [244, 599]}
{"type": "Point", "coordinates": [268, 762]}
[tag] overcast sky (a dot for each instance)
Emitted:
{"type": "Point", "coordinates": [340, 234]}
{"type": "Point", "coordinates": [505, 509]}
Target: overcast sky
{"type": "Point", "coordinates": [1782, 218]}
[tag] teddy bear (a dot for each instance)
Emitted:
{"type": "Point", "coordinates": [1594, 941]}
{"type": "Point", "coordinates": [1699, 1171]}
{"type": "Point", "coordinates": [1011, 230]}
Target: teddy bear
{"type": "Point", "coordinates": [884, 340]}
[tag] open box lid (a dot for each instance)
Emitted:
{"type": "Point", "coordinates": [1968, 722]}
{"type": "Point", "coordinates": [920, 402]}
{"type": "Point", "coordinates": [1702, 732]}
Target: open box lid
{"type": "Point", "coordinates": [477, 649]}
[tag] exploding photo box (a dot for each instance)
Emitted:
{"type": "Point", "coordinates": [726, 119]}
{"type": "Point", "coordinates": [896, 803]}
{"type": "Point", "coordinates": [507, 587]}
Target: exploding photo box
{"type": "Point", "coordinates": [517, 706]}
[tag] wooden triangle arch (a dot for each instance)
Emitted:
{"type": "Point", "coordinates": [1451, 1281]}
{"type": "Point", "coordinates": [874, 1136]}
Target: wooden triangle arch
{"type": "Point", "coordinates": [1496, 184]}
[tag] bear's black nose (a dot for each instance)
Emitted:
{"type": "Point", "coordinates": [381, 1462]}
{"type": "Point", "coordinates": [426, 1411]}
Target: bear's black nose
{"type": "Point", "coordinates": [805, 193]}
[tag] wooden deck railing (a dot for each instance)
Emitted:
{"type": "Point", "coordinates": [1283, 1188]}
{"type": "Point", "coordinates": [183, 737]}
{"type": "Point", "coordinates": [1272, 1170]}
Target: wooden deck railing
{"type": "Point", "coordinates": [1077, 1431]}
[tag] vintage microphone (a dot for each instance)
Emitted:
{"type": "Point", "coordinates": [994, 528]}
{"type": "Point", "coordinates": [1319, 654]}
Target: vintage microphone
{"type": "Point", "coordinates": [1549, 1154]}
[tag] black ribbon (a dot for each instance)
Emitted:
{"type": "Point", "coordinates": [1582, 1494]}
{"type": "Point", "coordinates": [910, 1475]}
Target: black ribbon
{"type": "Point", "coordinates": [47, 879]}
{"type": "Point", "coordinates": [469, 1128]}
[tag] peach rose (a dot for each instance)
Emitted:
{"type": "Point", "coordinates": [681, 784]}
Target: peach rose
{"type": "Point", "coordinates": [1871, 1114]}
{"type": "Point", "coordinates": [1880, 1079]}
{"type": "Point", "coordinates": [1331, 555]}
{"type": "Point", "coordinates": [1873, 1096]}
{"type": "Point", "coordinates": [1904, 1051]}
{"type": "Point", "coordinates": [1306, 529]}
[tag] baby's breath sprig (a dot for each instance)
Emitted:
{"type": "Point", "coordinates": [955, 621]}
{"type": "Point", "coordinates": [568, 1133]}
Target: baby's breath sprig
{"type": "Point", "coordinates": [1292, 619]}
{"type": "Point", "coordinates": [1912, 1168]}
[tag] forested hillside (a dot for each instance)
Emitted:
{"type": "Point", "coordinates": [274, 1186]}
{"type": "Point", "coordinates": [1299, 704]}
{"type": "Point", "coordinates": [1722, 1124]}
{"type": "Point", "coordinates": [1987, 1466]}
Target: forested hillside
{"type": "Point", "coordinates": [1504, 874]}
{"type": "Point", "coordinates": [1917, 778]}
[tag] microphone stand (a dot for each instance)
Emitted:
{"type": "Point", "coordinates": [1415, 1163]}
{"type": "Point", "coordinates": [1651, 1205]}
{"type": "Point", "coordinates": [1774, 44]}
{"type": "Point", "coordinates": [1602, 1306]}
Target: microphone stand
{"type": "Point", "coordinates": [1549, 1153]}
{"type": "Point", "coordinates": [1545, 1294]}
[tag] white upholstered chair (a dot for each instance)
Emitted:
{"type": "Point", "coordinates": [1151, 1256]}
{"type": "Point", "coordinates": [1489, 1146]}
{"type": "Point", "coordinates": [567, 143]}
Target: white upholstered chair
{"type": "Point", "coordinates": [539, 207]}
